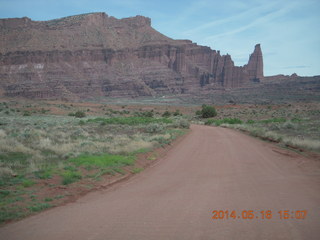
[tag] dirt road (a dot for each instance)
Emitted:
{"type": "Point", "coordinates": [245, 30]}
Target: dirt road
{"type": "Point", "coordinates": [211, 169]}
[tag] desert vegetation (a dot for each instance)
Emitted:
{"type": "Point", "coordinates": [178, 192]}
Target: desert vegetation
{"type": "Point", "coordinates": [53, 151]}
{"type": "Point", "coordinates": [59, 150]}
{"type": "Point", "coordinates": [295, 126]}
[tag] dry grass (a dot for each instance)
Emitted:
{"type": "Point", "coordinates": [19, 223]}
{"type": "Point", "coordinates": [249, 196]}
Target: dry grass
{"type": "Point", "coordinates": [47, 140]}
{"type": "Point", "coordinates": [294, 141]}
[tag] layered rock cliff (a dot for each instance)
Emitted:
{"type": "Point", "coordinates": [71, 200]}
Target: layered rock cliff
{"type": "Point", "coordinates": [96, 55]}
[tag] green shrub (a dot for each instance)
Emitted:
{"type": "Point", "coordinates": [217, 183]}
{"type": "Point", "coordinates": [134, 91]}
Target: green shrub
{"type": "Point", "coordinates": [289, 125]}
{"type": "Point", "coordinates": [4, 193]}
{"type": "Point", "coordinates": [162, 141]}
{"type": "Point", "coordinates": [209, 122]}
{"type": "Point", "coordinates": [154, 128]}
{"type": "Point", "coordinates": [70, 177]}
{"type": "Point", "coordinates": [183, 123]}
{"type": "Point", "coordinates": [198, 113]}
{"type": "Point", "coordinates": [208, 111]}
{"type": "Point", "coordinates": [43, 174]}
{"type": "Point", "coordinates": [81, 122]}
{"type": "Point", "coordinates": [177, 113]}
{"type": "Point", "coordinates": [27, 183]}
{"type": "Point", "coordinates": [79, 114]}
{"type": "Point", "coordinates": [166, 114]}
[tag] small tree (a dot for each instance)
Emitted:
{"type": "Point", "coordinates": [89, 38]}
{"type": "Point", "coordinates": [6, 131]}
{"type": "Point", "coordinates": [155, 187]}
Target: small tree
{"type": "Point", "coordinates": [166, 114]}
{"type": "Point", "coordinates": [177, 113]}
{"type": "Point", "coordinates": [208, 111]}
{"type": "Point", "coordinates": [79, 114]}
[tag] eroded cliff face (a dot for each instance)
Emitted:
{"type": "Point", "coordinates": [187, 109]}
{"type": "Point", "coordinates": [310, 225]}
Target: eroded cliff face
{"type": "Point", "coordinates": [255, 64]}
{"type": "Point", "coordinates": [93, 55]}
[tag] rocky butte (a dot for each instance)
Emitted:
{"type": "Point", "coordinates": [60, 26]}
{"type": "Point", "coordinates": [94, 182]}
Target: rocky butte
{"type": "Point", "coordinates": [92, 55]}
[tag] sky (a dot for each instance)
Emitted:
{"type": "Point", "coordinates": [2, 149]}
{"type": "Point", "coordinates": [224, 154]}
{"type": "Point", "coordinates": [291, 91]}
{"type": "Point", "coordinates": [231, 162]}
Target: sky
{"type": "Point", "coordinates": [288, 30]}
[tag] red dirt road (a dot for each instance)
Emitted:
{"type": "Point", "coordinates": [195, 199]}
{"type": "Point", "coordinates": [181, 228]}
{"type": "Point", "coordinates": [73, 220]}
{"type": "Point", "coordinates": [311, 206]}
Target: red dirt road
{"type": "Point", "coordinates": [211, 169]}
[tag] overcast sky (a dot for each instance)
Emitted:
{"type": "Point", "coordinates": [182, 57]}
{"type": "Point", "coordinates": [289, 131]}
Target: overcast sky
{"type": "Point", "coordinates": [288, 30]}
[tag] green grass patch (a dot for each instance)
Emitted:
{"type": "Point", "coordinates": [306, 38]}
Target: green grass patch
{"type": "Point", "coordinates": [27, 183]}
{"type": "Point", "coordinates": [296, 120]}
{"type": "Point", "coordinates": [119, 170]}
{"type": "Point", "coordinates": [105, 160]}
{"type": "Point", "coordinates": [97, 176]}
{"type": "Point", "coordinates": [39, 207]}
{"type": "Point", "coordinates": [273, 120]}
{"type": "Point", "coordinates": [69, 177]}
{"type": "Point", "coordinates": [130, 120]}
{"type": "Point", "coordinates": [44, 174]}
{"type": "Point", "coordinates": [59, 196]}
{"type": "Point", "coordinates": [11, 213]}
{"type": "Point", "coordinates": [4, 193]}
{"type": "Point", "coordinates": [142, 150]}
{"type": "Point", "coordinates": [137, 170]}
{"type": "Point", "coordinates": [250, 121]}
{"type": "Point", "coordinates": [218, 122]}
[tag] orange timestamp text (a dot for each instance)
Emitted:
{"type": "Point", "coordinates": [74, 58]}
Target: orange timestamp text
{"type": "Point", "coordinates": [259, 214]}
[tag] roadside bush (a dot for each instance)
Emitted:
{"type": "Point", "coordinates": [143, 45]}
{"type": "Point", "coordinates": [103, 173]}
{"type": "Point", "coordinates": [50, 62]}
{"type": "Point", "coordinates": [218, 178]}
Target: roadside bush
{"type": "Point", "coordinates": [288, 125]}
{"type": "Point", "coordinates": [198, 113]}
{"type": "Point", "coordinates": [70, 177]}
{"type": "Point", "coordinates": [209, 122]}
{"type": "Point", "coordinates": [79, 114]}
{"type": "Point", "coordinates": [166, 114]}
{"type": "Point", "coordinates": [81, 122]}
{"type": "Point", "coordinates": [154, 128]}
{"type": "Point", "coordinates": [218, 122]}
{"type": "Point", "coordinates": [177, 113]}
{"type": "Point", "coordinates": [208, 111]}
{"type": "Point", "coordinates": [27, 183]}
{"type": "Point", "coordinates": [183, 123]}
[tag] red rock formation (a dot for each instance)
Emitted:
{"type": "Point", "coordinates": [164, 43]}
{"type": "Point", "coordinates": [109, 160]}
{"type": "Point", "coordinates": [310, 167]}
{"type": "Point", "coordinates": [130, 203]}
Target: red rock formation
{"type": "Point", "coordinates": [255, 64]}
{"type": "Point", "coordinates": [97, 55]}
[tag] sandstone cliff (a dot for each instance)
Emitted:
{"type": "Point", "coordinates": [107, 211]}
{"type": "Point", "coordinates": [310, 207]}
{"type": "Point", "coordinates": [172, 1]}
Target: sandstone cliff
{"type": "Point", "coordinates": [97, 55]}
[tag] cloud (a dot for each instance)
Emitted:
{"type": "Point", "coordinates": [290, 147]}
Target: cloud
{"type": "Point", "coordinates": [294, 67]}
{"type": "Point", "coordinates": [234, 18]}
{"type": "Point", "coordinates": [260, 21]}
